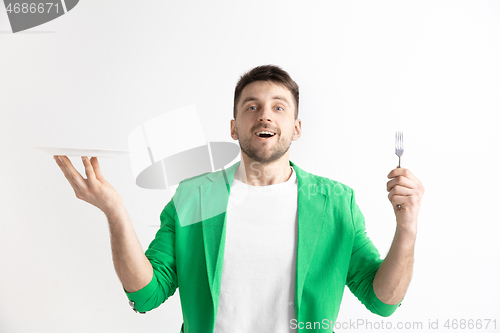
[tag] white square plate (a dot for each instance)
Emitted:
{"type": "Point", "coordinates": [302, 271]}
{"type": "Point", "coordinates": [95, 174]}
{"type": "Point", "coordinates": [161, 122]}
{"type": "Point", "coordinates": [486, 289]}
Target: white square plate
{"type": "Point", "coordinates": [90, 152]}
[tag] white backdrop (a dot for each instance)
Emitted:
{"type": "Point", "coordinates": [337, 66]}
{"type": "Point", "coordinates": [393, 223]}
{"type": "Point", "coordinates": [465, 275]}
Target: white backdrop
{"type": "Point", "coordinates": [365, 69]}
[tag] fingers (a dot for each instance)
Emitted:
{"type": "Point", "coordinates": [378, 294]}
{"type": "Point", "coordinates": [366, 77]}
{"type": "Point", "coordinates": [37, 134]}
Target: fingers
{"type": "Point", "coordinates": [400, 195]}
{"type": "Point", "coordinates": [74, 178]}
{"type": "Point", "coordinates": [89, 171]}
{"type": "Point", "coordinates": [406, 192]}
{"type": "Point", "coordinates": [402, 182]}
{"type": "Point", "coordinates": [97, 168]}
{"type": "Point", "coordinates": [402, 172]}
{"type": "Point", "coordinates": [400, 191]}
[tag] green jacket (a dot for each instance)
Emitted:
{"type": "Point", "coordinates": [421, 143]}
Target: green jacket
{"type": "Point", "coordinates": [333, 250]}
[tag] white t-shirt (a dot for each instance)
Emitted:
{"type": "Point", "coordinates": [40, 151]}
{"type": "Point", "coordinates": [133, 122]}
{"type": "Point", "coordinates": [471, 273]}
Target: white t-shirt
{"type": "Point", "coordinates": [258, 273]}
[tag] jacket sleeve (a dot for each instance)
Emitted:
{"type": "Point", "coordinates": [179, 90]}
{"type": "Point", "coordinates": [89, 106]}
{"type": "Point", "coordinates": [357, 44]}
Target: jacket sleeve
{"type": "Point", "coordinates": [364, 263]}
{"type": "Point", "coordinates": [161, 254]}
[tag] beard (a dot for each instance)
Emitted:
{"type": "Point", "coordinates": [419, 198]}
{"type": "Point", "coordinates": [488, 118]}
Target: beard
{"type": "Point", "coordinates": [263, 155]}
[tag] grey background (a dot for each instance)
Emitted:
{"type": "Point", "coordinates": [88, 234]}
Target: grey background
{"type": "Point", "coordinates": [365, 69]}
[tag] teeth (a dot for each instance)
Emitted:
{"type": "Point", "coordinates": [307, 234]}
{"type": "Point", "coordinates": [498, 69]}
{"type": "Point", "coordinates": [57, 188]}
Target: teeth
{"type": "Point", "coordinates": [265, 132]}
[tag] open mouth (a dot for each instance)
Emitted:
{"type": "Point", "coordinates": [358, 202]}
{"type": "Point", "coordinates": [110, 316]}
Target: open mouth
{"type": "Point", "coordinates": [265, 134]}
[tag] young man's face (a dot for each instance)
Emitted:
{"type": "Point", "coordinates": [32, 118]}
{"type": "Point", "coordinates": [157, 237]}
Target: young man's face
{"type": "Point", "coordinates": [265, 106]}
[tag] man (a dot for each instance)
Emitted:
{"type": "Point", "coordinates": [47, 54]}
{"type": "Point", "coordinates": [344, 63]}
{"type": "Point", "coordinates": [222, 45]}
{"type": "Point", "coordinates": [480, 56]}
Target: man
{"type": "Point", "coordinates": [262, 246]}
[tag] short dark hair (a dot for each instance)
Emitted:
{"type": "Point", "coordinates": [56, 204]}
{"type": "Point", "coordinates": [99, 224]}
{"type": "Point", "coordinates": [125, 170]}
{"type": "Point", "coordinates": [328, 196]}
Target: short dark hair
{"type": "Point", "coordinates": [267, 73]}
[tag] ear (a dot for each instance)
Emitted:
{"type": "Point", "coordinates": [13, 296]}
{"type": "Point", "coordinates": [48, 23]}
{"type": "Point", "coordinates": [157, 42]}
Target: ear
{"type": "Point", "coordinates": [234, 132]}
{"type": "Point", "coordinates": [297, 130]}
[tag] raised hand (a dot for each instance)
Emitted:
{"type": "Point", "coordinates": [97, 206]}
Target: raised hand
{"type": "Point", "coordinates": [405, 190]}
{"type": "Point", "coordinates": [94, 189]}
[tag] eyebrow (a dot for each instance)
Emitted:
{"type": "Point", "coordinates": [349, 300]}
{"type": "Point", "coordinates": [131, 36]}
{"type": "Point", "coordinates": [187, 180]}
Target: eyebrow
{"type": "Point", "coordinates": [251, 98]}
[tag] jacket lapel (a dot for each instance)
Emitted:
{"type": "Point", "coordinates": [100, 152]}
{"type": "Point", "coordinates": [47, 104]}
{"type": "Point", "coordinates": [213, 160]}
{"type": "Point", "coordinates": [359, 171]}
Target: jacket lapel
{"type": "Point", "coordinates": [311, 207]}
{"type": "Point", "coordinates": [214, 197]}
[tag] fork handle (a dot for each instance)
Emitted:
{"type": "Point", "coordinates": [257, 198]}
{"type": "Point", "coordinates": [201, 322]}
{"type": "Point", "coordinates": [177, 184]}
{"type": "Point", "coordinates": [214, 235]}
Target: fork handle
{"type": "Point", "coordinates": [399, 166]}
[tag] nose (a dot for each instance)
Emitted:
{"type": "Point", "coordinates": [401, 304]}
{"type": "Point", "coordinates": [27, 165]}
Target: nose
{"type": "Point", "coordinates": [265, 114]}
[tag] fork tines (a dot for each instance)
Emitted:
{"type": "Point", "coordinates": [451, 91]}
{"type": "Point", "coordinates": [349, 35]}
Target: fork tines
{"type": "Point", "coordinates": [399, 146]}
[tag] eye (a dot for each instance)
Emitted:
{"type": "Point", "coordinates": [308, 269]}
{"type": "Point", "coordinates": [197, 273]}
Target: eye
{"type": "Point", "coordinates": [251, 108]}
{"type": "Point", "coordinates": [279, 108]}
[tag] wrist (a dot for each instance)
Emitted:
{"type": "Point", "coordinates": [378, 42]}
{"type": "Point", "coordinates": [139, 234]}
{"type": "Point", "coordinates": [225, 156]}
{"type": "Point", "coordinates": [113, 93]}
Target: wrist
{"type": "Point", "coordinates": [114, 210]}
{"type": "Point", "coordinates": [408, 230]}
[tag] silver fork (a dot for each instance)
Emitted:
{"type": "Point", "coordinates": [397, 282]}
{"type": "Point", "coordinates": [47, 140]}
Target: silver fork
{"type": "Point", "coordinates": [399, 149]}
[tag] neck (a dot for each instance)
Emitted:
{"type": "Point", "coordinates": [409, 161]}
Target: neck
{"type": "Point", "coordinates": [260, 174]}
